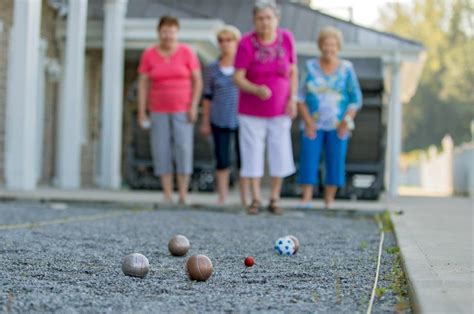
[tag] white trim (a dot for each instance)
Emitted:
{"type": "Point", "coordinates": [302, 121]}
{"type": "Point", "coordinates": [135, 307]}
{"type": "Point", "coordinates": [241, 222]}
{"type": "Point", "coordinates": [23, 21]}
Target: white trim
{"type": "Point", "coordinates": [394, 127]}
{"type": "Point", "coordinates": [141, 33]}
{"type": "Point", "coordinates": [40, 107]}
{"type": "Point", "coordinates": [355, 51]}
{"type": "Point", "coordinates": [85, 102]}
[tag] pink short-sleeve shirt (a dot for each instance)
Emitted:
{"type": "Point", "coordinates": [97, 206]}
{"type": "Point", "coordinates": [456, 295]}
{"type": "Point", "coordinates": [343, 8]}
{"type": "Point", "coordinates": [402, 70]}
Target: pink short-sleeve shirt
{"type": "Point", "coordinates": [170, 83]}
{"type": "Point", "coordinates": [269, 65]}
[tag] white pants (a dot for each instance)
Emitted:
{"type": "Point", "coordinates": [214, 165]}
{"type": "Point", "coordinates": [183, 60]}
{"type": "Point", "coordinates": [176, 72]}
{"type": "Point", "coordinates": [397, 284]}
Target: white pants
{"type": "Point", "coordinates": [275, 133]}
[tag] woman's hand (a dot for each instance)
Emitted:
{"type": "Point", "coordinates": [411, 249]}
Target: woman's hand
{"type": "Point", "coordinates": [310, 130]}
{"type": "Point", "coordinates": [205, 128]}
{"type": "Point", "coordinates": [291, 108]}
{"type": "Point", "coordinates": [342, 129]}
{"type": "Point", "coordinates": [263, 92]}
{"type": "Point", "coordinates": [142, 119]}
{"type": "Point", "coordinates": [192, 114]}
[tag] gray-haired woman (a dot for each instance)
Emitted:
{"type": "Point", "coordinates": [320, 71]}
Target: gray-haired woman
{"type": "Point", "coordinates": [266, 74]}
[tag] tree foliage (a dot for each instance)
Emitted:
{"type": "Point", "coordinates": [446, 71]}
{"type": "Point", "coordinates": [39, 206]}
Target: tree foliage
{"type": "Point", "coordinates": [444, 102]}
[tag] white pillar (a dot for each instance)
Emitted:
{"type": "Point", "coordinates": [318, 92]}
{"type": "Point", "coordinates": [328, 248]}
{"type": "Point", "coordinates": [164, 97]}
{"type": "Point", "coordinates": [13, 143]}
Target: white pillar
{"type": "Point", "coordinates": [40, 109]}
{"type": "Point", "coordinates": [22, 92]}
{"type": "Point", "coordinates": [112, 93]}
{"type": "Point", "coordinates": [395, 127]}
{"type": "Point", "coordinates": [69, 135]}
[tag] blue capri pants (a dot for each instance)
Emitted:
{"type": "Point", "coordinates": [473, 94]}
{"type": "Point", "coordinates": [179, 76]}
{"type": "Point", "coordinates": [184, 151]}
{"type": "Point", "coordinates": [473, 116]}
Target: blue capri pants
{"type": "Point", "coordinates": [335, 150]}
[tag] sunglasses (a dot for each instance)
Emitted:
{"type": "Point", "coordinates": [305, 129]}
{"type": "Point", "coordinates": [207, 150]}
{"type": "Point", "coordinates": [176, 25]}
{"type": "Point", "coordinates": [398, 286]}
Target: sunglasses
{"type": "Point", "coordinates": [225, 40]}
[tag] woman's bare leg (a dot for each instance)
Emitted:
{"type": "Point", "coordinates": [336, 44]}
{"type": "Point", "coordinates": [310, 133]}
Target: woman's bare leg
{"type": "Point", "coordinates": [307, 193]}
{"type": "Point", "coordinates": [183, 184]}
{"type": "Point", "coordinates": [167, 185]}
{"type": "Point", "coordinates": [275, 188]}
{"type": "Point", "coordinates": [243, 189]}
{"type": "Point", "coordinates": [329, 195]}
{"type": "Point", "coordinates": [222, 185]}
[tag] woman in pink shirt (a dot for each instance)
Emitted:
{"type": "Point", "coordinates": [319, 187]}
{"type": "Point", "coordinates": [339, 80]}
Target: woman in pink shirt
{"type": "Point", "coordinates": [170, 86]}
{"type": "Point", "coordinates": [267, 76]}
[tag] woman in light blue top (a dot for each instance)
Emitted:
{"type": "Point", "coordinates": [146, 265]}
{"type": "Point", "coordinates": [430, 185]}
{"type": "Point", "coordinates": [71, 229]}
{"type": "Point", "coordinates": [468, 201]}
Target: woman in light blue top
{"type": "Point", "coordinates": [329, 99]}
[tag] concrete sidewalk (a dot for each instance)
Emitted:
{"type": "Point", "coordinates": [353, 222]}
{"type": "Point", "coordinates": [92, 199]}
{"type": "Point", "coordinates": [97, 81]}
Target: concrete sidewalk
{"type": "Point", "coordinates": [435, 236]}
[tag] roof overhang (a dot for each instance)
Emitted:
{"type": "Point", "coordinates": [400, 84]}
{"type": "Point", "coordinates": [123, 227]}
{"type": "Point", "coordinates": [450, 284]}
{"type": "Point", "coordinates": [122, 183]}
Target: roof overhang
{"type": "Point", "coordinates": [200, 33]}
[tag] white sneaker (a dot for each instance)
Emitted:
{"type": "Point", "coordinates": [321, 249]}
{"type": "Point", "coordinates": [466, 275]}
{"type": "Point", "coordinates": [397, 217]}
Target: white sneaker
{"type": "Point", "coordinates": [304, 205]}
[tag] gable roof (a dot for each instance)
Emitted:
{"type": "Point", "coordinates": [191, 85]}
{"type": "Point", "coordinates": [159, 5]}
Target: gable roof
{"type": "Point", "coordinates": [303, 21]}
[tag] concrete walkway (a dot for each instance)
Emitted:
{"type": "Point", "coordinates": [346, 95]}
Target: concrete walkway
{"type": "Point", "coordinates": [435, 236]}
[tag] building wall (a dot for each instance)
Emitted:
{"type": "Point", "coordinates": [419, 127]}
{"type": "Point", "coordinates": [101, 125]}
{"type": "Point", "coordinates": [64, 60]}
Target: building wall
{"type": "Point", "coordinates": [48, 26]}
{"type": "Point", "coordinates": [90, 147]}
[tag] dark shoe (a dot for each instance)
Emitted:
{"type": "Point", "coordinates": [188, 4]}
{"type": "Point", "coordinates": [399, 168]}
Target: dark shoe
{"type": "Point", "coordinates": [254, 207]}
{"type": "Point", "coordinates": [274, 209]}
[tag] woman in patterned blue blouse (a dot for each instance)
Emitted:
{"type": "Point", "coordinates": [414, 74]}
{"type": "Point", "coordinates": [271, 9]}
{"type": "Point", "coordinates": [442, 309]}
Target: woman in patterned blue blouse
{"type": "Point", "coordinates": [329, 99]}
{"type": "Point", "coordinates": [220, 111]}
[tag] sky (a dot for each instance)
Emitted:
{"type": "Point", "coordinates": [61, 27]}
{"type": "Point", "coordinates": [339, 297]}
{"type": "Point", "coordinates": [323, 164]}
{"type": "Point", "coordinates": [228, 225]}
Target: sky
{"type": "Point", "coordinates": [365, 12]}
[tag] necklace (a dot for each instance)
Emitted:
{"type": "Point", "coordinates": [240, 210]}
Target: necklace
{"type": "Point", "coordinates": [267, 54]}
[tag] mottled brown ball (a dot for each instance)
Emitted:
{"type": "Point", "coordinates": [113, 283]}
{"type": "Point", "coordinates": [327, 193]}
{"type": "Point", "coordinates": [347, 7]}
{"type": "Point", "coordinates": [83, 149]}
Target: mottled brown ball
{"type": "Point", "coordinates": [199, 267]}
{"type": "Point", "coordinates": [178, 245]}
{"type": "Point", "coordinates": [296, 242]}
{"type": "Point", "coordinates": [135, 265]}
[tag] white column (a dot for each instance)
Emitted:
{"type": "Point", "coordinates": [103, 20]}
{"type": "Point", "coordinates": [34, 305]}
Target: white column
{"type": "Point", "coordinates": [69, 135]}
{"type": "Point", "coordinates": [112, 93]}
{"type": "Point", "coordinates": [395, 127]}
{"type": "Point", "coordinates": [22, 92]}
{"type": "Point", "coordinates": [40, 111]}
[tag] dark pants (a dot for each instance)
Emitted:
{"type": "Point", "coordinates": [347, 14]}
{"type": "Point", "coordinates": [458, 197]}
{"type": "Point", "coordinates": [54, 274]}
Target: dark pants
{"type": "Point", "coordinates": [222, 146]}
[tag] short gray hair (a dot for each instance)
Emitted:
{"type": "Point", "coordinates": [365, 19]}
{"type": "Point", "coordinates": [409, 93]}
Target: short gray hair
{"type": "Point", "coordinates": [266, 4]}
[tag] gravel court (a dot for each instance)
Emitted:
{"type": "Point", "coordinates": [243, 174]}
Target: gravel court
{"type": "Point", "coordinates": [75, 266]}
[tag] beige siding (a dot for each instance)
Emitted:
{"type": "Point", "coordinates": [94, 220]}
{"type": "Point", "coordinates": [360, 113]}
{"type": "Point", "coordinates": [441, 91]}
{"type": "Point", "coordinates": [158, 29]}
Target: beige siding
{"type": "Point", "coordinates": [90, 149]}
{"type": "Point", "coordinates": [48, 22]}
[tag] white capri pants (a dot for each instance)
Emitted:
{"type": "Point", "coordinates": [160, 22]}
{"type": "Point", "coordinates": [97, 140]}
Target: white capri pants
{"type": "Point", "coordinates": [275, 133]}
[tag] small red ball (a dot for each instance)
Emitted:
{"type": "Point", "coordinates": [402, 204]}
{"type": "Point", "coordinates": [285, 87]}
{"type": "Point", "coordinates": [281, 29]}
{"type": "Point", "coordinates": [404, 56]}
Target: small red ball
{"type": "Point", "coordinates": [249, 261]}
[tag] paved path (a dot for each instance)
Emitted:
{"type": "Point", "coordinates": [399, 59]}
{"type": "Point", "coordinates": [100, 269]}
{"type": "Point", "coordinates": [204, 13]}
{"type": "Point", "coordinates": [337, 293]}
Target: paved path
{"type": "Point", "coordinates": [435, 237]}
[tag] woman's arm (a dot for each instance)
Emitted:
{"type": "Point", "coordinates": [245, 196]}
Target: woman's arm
{"type": "Point", "coordinates": [142, 97]}
{"type": "Point", "coordinates": [291, 108]}
{"type": "Point", "coordinates": [355, 103]}
{"type": "Point", "coordinates": [196, 79]}
{"type": "Point", "coordinates": [261, 91]}
{"type": "Point", "coordinates": [310, 127]}
{"type": "Point", "coordinates": [355, 94]}
{"type": "Point", "coordinates": [206, 121]}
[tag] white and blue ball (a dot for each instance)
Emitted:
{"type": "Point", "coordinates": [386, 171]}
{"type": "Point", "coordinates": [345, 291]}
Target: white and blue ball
{"type": "Point", "coordinates": [285, 246]}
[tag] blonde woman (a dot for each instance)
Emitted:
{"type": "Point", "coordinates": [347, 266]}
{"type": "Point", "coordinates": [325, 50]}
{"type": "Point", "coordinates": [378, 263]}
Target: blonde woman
{"type": "Point", "coordinates": [220, 111]}
{"type": "Point", "coordinates": [329, 99]}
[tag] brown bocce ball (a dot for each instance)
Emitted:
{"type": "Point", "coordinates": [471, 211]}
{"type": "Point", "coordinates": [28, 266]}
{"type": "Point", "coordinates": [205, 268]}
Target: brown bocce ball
{"type": "Point", "coordinates": [199, 267]}
{"type": "Point", "coordinates": [178, 245]}
{"type": "Point", "coordinates": [296, 242]}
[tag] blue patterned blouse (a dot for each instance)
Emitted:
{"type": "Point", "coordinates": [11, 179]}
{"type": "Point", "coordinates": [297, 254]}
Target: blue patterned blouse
{"type": "Point", "coordinates": [328, 97]}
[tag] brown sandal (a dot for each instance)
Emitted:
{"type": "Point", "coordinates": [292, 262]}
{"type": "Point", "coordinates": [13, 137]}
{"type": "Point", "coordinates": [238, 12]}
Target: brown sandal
{"type": "Point", "coordinates": [274, 209]}
{"type": "Point", "coordinates": [254, 207]}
